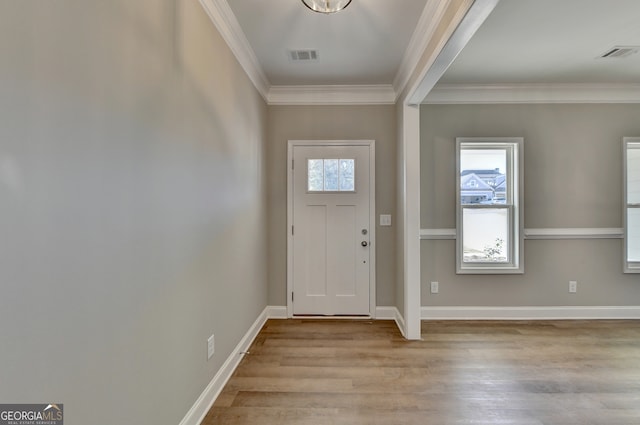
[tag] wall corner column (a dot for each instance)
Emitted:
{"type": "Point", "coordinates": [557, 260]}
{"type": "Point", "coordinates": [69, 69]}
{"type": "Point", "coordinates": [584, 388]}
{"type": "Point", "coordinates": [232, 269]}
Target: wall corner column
{"type": "Point", "coordinates": [411, 207]}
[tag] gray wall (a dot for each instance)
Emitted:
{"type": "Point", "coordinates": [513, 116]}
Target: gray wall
{"type": "Point", "coordinates": [332, 123]}
{"type": "Point", "coordinates": [132, 199]}
{"type": "Point", "coordinates": [573, 179]}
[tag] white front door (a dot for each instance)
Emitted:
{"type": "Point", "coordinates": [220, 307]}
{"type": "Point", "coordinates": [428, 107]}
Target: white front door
{"type": "Point", "coordinates": [331, 231]}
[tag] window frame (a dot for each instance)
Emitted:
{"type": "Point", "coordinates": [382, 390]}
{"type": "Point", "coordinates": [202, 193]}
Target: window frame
{"type": "Point", "coordinates": [628, 143]}
{"type": "Point", "coordinates": [514, 176]}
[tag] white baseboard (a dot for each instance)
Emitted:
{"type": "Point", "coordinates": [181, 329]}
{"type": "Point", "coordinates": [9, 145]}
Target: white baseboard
{"type": "Point", "coordinates": [198, 411]}
{"type": "Point", "coordinates": [530, 313]}
{"type": "Point", "coordinates": [391, 313]}
{"type": "Point", "coordinates": [386, 313]}
{"type": "Point", "coordinates": [276, 312]}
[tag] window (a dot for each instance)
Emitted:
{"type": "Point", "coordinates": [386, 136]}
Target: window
{"type": "Point", "coordinates": [331, 175]}
{"type": "Point", "coordinates": [489, 205]}
{"type": "Point", "coordinates": [632, 205]}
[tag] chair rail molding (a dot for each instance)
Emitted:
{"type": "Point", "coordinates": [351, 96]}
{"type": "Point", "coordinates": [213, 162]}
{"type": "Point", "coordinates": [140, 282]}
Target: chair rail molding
{"type": "Point", "coordinates": [545, 233]}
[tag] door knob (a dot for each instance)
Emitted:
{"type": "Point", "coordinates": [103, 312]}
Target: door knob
{"type": "Point", "coordinates": [364, 243]}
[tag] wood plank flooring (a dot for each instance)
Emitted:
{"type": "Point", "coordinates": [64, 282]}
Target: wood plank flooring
{"type": "Point", "coordinates": [334, 372]}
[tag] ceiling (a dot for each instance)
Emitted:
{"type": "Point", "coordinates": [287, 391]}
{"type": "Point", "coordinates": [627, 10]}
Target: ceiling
{"type": "Point", "coordinates": [362, 44]}
{"type": "Point", "coordinates": [551, 42]}
{"type": "Point", "coordinates": [521, 42]}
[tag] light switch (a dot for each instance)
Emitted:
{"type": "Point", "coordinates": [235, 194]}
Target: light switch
{"type": "Point", "coordinates": [385, 219]}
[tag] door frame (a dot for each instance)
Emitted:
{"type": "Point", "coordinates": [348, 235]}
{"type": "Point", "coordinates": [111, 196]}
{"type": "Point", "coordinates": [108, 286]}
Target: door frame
{"type": "Point", "coordinates": [372, 214]}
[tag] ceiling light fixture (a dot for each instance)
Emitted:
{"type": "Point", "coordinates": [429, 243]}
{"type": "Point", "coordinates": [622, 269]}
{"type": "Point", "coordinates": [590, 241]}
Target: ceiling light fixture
{"type": "Point", "coordinates": [326, 6]}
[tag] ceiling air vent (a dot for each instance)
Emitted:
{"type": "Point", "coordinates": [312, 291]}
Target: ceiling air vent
{"type": "Point", "coordinates": [303, 55]}
{"type": "Point", "coordinates": [620, 52]}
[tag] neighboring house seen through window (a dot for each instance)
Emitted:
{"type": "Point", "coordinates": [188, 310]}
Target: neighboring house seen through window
{"type": "Point", "coordinates": [489, 205]}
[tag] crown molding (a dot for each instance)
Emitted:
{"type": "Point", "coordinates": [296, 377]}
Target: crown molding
{"type": "Point", "coordinates": [533, 93]}
{"type": "Point", "coordinates": [429, 20]}
{"type": "Point", "coordinates": [225, 21]}
{"type": "Point", "coordinates": [332, 95]}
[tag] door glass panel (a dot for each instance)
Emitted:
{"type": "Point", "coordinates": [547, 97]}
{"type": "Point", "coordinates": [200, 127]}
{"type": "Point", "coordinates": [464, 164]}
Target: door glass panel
{"type": "Point", "coordinates": [347, 173]}
{"type": "Point", "coordinates": [486, 235]}
{"type": "Point", "coordinates": [315, 175]}
{"type": "Point", "coordinates": [331, 175]}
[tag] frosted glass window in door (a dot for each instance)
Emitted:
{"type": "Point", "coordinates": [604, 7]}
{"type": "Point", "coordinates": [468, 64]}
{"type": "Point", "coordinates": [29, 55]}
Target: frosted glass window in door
{"type": "Point", "coordinates": [331, 175]}
{"type": "Point", "coordinates": [315, 175]}
{"type": "Point", "coordinates": [347, 174]}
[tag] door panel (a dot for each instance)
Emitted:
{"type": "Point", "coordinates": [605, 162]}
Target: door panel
{"type": "Point", "coordinates": [343, 256]}
{"type": "Point", "coordinates": [331, 207]}
{"type": "Point", "coordinates": [315, 253]}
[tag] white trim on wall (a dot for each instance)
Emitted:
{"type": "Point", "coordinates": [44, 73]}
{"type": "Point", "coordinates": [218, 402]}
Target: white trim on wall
{"type": "Point", "coordinates": [574, 233]}
{"type": "Point", "coordinates": [531, 313]}
{"type": "Point", "coordinates": [548, 234]}
{"type": "Point", "coordinates": [411, 218]}
{"type": "Point", "coordinates": [276, 312]}
{"type": "Point", "coordinates": [382, 94]}
{"type": "Point", "coordinates": [533, 93]}
{"type": "Point", "coordinates": [438, 234]}
{"type": "Point", "coordinates": [225, 21]}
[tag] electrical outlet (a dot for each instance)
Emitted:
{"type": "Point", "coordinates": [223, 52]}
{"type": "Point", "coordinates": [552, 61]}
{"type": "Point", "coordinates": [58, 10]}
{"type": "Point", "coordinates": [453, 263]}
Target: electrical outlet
{"type": "Point", "coordinates": [434, 287]}
{"type": "Point", "coordinates": [211, 346]}
{"type": "Point", "coordinates": [573, 286]}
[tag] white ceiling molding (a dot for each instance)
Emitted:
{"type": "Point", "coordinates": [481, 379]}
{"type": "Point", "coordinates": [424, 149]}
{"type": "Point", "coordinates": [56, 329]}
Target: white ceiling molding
{"type": "Point", "coordinates": [533, 93]}
{"type": "Point", "coordinates": [225, 21]}
{"type": "Point", "coordinates": [427, 25]}
{"type": "Point", "coordinates": [332, 95]}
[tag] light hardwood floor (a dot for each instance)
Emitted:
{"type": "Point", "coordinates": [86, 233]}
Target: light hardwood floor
{"type": "Point", "coordinates": [326, 372]}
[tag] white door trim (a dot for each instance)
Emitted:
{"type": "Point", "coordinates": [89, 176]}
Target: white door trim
{"type": "Point", "coordinates": [372, 213]}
